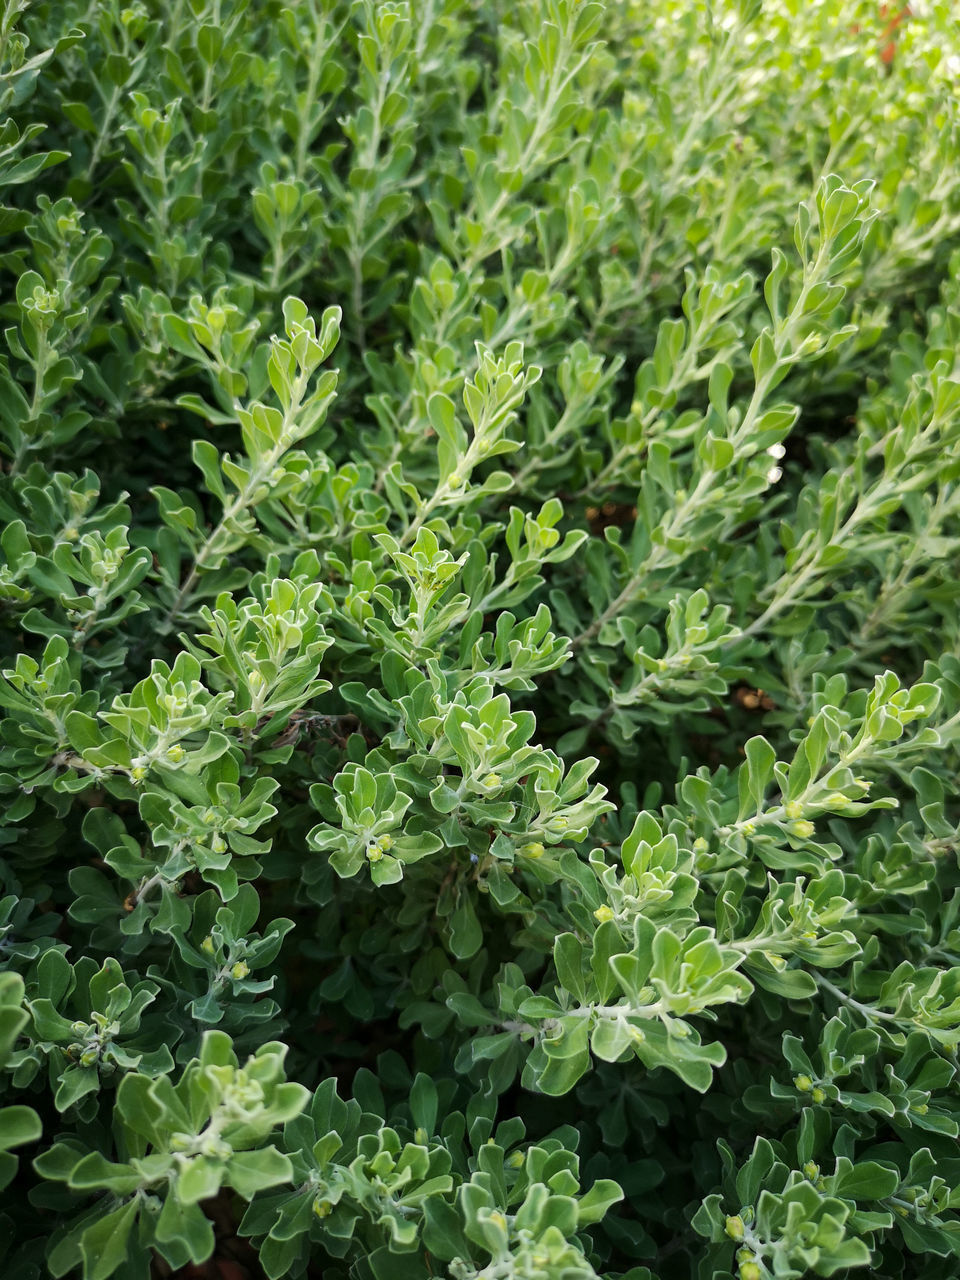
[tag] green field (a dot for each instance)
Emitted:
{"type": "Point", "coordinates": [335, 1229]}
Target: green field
{"type": "Point", "coordinates": [480, 673]}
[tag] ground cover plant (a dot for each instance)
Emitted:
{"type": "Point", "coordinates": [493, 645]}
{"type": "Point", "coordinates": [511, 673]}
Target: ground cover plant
{"type": "Point", "coordinates": [480, 662]}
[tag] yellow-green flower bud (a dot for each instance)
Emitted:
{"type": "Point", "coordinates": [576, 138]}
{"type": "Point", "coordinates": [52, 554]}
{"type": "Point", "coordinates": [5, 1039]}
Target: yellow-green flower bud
{"type": "Point", "coordinates": [215, 1147]}
{"type": "Point", "coordinates": [137, 773]}
{"type": "Point", "coordinates": [515, 1160]}
{"type": "Point", "coordinates": [803, 1083]}
{"type": "Point", "coordinates": [603, 914]}
{"type": "Point", "coordinates": [802, 829]}
{"type": "Point", "coordinates": [750, 1271]}
{"type": "Point", "coordinates": [491, 781]}
{"type": "Point", "coordinates": [322, 1208]}
{"type": "Point", "coordinates": [734, 1227]}
{"type": "Point", "coordinates": [811, 1170]}
{"type": "Point", "coordinates": [218, 844]}
{"type": "Point", "coordinates": [836, 800]}
{"type": "Point", "coordinates": [175, 753]}
{"type": "Point", "coordinates": [385, 843]}
{"type": "Point", "coordinates": [793, 809]}
{"type": "Point", "coordinates": [207, 945]}
{"type": "Point", "coordinates": [239, 971]}
{"type": "Point", "coordinates": [818, 1095]}
{"type": "Point", "coordinates": [533, 850]}
{"type": "Point", "coordinates": [498, 1220]}
{"type": "Point", "coordinates": [700, 845]}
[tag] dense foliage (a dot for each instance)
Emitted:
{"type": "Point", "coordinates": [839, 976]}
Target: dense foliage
{"type": "Point", "coordinates": [481, 671]}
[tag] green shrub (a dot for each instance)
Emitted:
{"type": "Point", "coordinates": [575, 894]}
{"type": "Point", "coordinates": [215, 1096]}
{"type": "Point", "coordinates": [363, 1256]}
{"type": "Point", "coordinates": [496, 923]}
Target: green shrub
{"type": "Point", "coordinates": [481, 673]}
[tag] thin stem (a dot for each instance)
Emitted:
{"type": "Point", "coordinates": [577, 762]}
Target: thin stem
{"type": "Point", "coordinates": [867, 1011]}
{"type": "Point", "coordinates": [104, 132]}
{"type": "Point", "coordinates": [243, 499]}
{"type": "Point", "coordinates": [782, 340]}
